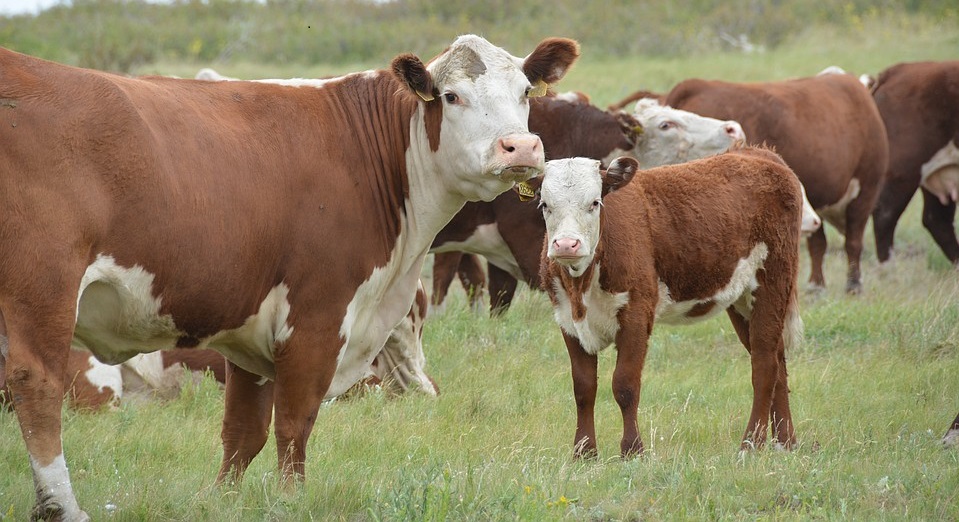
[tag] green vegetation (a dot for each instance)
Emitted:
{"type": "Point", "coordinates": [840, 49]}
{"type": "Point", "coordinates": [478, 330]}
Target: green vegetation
{"type": "Point", "coordinates": [873, 388]}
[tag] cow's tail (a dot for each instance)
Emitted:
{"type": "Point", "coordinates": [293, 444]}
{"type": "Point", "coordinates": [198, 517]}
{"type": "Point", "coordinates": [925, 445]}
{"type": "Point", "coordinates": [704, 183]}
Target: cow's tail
{"type": "Point", "coordinates": [793, 325]}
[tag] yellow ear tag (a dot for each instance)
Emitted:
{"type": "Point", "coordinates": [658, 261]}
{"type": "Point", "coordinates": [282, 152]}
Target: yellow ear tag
{"type": "Point", "coordinates": [525, 191]}
{"type": "Point", "coordinates": [539, 89]}
{"type": "Point", "coordinates": [638, 129]}
{"type": "Point", "coordinates": [425, 96]}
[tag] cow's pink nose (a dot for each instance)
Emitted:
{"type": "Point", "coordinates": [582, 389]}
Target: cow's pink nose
{"type": "Point", "coordinates": [566, 247]}
{"type": "Point", "coordinates": [521, 150]}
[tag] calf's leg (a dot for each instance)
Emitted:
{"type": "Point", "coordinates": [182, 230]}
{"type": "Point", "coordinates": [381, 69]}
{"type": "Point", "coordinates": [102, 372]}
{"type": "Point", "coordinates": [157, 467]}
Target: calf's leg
{"type": "Point", "coordinates": [584, 370]}
{"type": "Point", "coordinates": [631, 347]}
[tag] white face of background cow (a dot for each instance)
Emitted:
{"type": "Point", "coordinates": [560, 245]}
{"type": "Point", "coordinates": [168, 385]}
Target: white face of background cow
{"type": "Point", "coordinates": [571, 198]}
{"type": "Point", "coordinates": [477, 107]}
{"type": "Point", "coordinates": [671, 136]}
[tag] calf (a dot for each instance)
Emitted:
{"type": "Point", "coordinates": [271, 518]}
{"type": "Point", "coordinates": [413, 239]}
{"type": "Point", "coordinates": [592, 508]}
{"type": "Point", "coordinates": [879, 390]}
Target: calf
{"type": "Point", "coordinates": [917, 102]}
{"type": "Point", "coordinates": [677, 245]}
{"type": "Point", "coordinates": [509, 232]}
{"type": "Point", "coordinates": [829, 132]}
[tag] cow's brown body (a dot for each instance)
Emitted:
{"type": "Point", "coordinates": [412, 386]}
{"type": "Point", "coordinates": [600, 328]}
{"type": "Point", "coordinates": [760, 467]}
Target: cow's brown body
{"type": "Point", "coordinates": [284, 224]}
{"type": "Point", "coordinates": [829, 132]}
{"type": "Point", "coordinates": [918, 103]}
{"type": "Point", "coordinates": [675, 235]}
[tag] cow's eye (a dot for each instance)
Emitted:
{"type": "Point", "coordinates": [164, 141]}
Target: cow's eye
{"type": "Point", "coordinates": [451, 97]}
{"type": "Point", "coordinates": [666, 125]}
{"type": "Point", "coordinates": [596, 204]}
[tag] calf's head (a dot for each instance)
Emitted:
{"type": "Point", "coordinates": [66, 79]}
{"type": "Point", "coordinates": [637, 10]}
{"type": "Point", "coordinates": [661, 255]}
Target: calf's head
{"type": "Point", "coordinates": [571, 198]}
{"type": "Point", "coordinates": [475, 101]}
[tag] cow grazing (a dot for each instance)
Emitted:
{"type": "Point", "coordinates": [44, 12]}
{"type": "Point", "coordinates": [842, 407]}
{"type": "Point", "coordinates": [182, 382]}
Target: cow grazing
{"type": "Point", "coordinates": [828, 131]}
{"type": "Point", "coordinates": [676, 245]}
{"type": "Point", "coordinates": [509, 232]}
{"type": "Point", "coordinates": [917, 102]}
{"type": "Point", "coordinates": [283, 224]}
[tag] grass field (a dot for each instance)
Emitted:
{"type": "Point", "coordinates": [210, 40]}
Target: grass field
{"type": "Point", "coordinates": [873, 389]}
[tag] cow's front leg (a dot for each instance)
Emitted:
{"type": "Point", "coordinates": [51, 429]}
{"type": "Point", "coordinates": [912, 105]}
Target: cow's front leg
{"type": "Point", "coordinates": [305, 366]}
{"type": "Point", "coordinates": [246, 421]}
{"type": "Point", "coordinates": [583, 367]}
{"type": "Point", "coordinates": [631, 346]}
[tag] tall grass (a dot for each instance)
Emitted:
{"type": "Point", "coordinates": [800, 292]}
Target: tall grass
{"type": "Point", "coordinates": [873, 389]}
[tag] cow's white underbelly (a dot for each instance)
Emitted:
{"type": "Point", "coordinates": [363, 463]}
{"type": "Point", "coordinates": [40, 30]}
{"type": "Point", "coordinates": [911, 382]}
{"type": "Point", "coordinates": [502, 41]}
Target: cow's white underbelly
{"type": "Point", "coordinates": [940, 175]}
{"type": "Point", "coordinates": [489, 243]}
{"type": "Point", "coordinates": [118, 317]}
{"type": "Point", "coordinates": [737, 293]}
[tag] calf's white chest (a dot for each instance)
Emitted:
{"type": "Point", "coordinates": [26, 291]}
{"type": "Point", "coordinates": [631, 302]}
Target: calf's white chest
{"type": "Point", "coordinates": [599, 326]}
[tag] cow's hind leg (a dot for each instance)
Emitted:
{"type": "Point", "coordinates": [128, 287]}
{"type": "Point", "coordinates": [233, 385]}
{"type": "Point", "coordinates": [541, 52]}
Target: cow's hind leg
{"type": "Point", "coordinates": [445, 267]}
{"type": "Point", "coordinates": [817, 251]}
{"type": "Point", "coordinates": [246, 420]}
{"type": "Point", "coordinates": [502, 288]}
{"type": "Point", "coordinates": [38, 348]}
{"type": "Point", "coordinates": [473, 279]}
{"type": "Point", "coordinates": [938, 220]}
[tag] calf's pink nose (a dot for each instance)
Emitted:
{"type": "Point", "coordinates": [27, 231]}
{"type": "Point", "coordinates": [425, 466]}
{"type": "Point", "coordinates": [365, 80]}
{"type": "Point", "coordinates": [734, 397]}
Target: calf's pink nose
{"type": "Point", "coordinates": [565, 247]}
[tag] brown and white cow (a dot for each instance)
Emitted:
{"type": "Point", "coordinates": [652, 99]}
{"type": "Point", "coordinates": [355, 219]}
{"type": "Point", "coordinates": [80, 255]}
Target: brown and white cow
{"type": "Point", "coordinates": [283, 224]}
{"type": "Point", "coordinates": [676, 245]}
{"type": "Point", "coordinates": [917, 102]}
{"type": "Point", "coordinates": [509, 232]}
{"type": "Point", "coordinates": [829, 132]}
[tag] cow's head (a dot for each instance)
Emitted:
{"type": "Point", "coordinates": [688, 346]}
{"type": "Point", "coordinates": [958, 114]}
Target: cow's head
{"type": "Point", "coordinates": [475, 108]}
{"type": "Point", "coordinates": [667, 136]}
{"type": "Point", "coordinates": [571, 198]}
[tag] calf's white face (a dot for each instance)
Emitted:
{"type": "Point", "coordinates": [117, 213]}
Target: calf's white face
{"type": "Point", "coordinates": [571, 200]}
{"type": "Point", "coordinates": [671, 136]}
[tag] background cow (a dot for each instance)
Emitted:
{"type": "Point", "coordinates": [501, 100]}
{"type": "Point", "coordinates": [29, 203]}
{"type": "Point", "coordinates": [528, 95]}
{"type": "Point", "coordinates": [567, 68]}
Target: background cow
{"type": "Point", "coordinates": [677, 245]}
{"type": "Point", "coordinates": [917, 102]}
{"type": "Point", "coordinates": [509, 232]}
{"type": "Point", "coordinates": [829, 132]}
{"type": "Point", "coordinates": [235, 216]}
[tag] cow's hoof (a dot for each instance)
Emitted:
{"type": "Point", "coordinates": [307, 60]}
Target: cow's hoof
{"type": "Point", "coordinates": [854, 288]}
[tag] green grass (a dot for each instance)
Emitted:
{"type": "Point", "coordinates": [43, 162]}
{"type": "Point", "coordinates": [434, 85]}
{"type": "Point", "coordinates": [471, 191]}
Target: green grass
{"type": "Point", "coordinates": [873, 389]}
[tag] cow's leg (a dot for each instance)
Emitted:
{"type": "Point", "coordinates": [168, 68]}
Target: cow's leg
{"type": "Point", "coordinates": [938, 220]}
{"type": "Point", "coordinates": [444, 271]}
{"type": "Point", "coordinates": [631, 348]}
{"type": "Point", "coordinates": [952, 434]}
{"type": "Point", "coordinates": [502, 288]}
{"type": "Point", "coordinates": [38, 349]}
{"type": "Point", "coordinates": [473, 279]}
{"type": "Point", "coordinates": [304, 371]}
{"type": "Point", "coordinates": [857, 215]}
{"type": "Point", "coordinates": [817, 251]}
{"type": "Point", "coordinates": [892, 202]}
{"type": "Point", "coordinates": [584, 370]}
{"type": "Point", "coordinates": [246, 420]}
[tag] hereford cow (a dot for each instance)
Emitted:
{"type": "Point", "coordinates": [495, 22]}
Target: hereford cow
{"type": "Point", "coordinates": [509, 233]}
{"type": "Point", "coordinates": [677, 245]}
{"type": "Point", "coordinates": [918, 103]}
{"type": "Point", "coordinates": [283, 224]}
{"type": "Point", "coordinates": [829, 132]}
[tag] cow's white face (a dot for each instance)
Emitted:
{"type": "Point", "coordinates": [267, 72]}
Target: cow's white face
{"type": "Point", "coordinates": [671, 136]}
{"type": "Point", "coordinates": [476, 108]}
{"type": "Point", "coordinates": [571, 200]}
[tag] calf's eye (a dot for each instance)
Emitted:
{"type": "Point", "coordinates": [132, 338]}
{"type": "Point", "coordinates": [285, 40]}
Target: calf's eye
{"type": "Point", "coordinates": [451, 97]}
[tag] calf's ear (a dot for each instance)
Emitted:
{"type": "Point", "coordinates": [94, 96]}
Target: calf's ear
{"type": "Point", "coordinates": [619, 173]}
{"type": "Point", "coordinates": [410, 71]}
{"type": "Point", "coordinates": [549, 62]}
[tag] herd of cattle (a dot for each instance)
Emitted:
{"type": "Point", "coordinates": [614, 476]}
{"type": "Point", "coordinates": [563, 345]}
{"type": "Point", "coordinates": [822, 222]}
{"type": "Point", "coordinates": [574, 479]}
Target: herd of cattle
{"type": "Point", "coordinates": [157, 223]}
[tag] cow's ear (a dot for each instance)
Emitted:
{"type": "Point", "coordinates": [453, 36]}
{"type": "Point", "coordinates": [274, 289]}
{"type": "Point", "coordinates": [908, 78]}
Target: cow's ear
{"type": "Point", "coordinates": [619, 173]}
{"type": "Point", "coordinates": [410, 70]}
{"type": "Point", "coordinates": [529, 189]}
{"type": "Point", "coordinates": [631, 127]}
{"type": "Point", "coordinates": [549, 62]}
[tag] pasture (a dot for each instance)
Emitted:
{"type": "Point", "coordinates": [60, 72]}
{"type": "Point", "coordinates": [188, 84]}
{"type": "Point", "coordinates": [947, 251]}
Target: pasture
{"type": "Point", "coordinates": [873, 389]}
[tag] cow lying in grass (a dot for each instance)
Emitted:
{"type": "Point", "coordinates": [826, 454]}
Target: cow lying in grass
{"type": "Point", "coordinates": [678, 244]}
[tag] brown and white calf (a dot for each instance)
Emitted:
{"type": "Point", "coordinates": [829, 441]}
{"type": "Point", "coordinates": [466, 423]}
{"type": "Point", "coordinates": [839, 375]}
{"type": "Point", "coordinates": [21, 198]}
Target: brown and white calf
{"type": "Point", "coordinates": [284, 224]}
{"type": "Point", "coordinates": [677, 244]}
{"type": "Point", "coordinates": [917, 102]}
{"type": "Point", "coordinates": [829, 132]}
{"type": "Point", "coordinates": [509, 232]}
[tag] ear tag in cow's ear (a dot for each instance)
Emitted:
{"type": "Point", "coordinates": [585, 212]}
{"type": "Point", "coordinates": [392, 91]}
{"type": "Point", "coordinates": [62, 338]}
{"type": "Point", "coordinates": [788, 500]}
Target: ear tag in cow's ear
{"type": "Point", "coordinates": [638, 130]}
{"type": "Point", "coordinates": [425, 96]}
{"type": "Point", "coordinates": [525, 191]}
{"type": "Point", "coordinates": [539, 89]}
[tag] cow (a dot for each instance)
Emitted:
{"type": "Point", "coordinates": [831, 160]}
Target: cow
{"type": "Point", "coordinates": [509, 232]}
{"type": "Point", "coordinates": [917, 102]}
{"type": "Point", "coordinates": [641, 94]}
{"type": "Point", "coordinates": [951, 439]}
{"type": "Point", "coordinates": [284, 224]}
{"type": "Point", "coordinates": [829, 132]}
{"type": "Point", "coordinates": [676, 245]}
